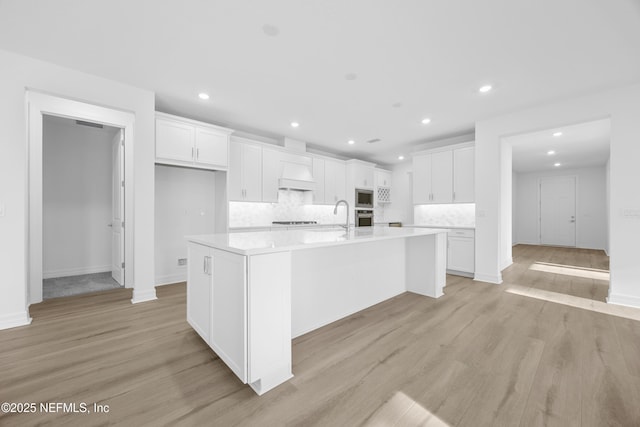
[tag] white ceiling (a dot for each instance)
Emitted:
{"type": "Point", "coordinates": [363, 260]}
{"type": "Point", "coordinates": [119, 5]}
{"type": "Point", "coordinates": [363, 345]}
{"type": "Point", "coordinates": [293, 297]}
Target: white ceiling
{"type": "Point", "coordinates": [411, 59]}
{"type": "Point", "coordinates": [581, 145]}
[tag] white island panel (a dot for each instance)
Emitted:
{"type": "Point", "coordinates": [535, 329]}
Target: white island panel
{"type": "Point", "coordinates": [330, 283]}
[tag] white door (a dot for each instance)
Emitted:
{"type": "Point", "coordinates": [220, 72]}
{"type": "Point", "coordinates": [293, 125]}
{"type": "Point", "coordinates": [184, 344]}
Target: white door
{"type": "Point", "coordinates": [558, 211]}
{"type": "Point", "coordinates": [117, 208]}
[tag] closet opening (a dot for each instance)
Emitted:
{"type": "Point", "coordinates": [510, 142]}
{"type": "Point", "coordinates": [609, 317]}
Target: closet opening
{"type": "Point", "coordinates": [83, 244]}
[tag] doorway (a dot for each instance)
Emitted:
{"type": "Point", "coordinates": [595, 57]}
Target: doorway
{"type": "Point", "coordinates": [558, 211]}
{"type": "Point", "coordinates": [559, 196]}
{"type": "Point", "coordinates": [40, 105]}
{"type": "Point", "coordinates": [83, 208]}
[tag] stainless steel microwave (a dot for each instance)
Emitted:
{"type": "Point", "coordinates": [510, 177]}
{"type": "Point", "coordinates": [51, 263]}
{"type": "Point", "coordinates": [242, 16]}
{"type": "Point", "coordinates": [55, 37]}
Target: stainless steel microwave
{"type": "Point", "coordinates": [364, 198]}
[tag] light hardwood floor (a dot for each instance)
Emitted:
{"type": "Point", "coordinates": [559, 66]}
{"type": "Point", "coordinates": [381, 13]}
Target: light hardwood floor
{"type": "Point", "coordinates": [478, 356]}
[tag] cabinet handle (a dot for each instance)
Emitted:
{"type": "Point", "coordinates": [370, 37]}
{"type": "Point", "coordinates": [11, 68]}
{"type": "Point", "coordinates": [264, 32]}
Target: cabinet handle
{"type": "Point", "coordinates": [197, 153]}
{"type": "Point", "coordinates": [454, 195]}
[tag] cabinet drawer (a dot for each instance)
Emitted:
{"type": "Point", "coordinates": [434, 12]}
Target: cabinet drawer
{"type": "Point", "coordinates": [462, 233]}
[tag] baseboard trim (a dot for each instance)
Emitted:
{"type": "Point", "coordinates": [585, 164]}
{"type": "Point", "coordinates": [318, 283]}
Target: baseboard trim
{"type": "Point", "coordinates": [14, 320]}
{"type": "Point", "coordinates": [488, 278]}
{"type": "Point", "coordinates": [143, 295]}
{"type": "Point", "coordinates": [626, 300]}
{"type": "Point", "coordinates": [171, 279]}
{"type": "Point", "coordinates": [65, 272]}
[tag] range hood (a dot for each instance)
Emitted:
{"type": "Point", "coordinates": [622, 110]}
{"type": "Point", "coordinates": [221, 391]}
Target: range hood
{"type": "Point", "coordinates": [296, 176]}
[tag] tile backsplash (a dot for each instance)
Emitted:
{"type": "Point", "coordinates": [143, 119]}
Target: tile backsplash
{"type": "Point", "coordinates": [458, 214]}
{"type": "Point", "coordinates": [291, 206]}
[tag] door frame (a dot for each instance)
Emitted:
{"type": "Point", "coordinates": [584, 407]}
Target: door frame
{"type": "Point", "coordinates": [37, 105]}
{"type": "Point", "coordinates": [577, 224]}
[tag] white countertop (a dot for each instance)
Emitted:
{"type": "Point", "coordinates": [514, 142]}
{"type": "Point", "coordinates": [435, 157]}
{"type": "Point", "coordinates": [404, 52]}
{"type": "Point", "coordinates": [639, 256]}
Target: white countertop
{"type": "Point", "coordinates": [450, 227]}
{"type": "Point", "coordinates": [260, 242]}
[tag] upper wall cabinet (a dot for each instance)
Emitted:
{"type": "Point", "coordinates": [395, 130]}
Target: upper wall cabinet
{"type": "Point", "coordinates": [245, 172]}
{"type": "Point", "coordinates": [335, 173]}
{"type": "Point", "coordinates": [444, 176]}
{"type": "Point", "coordinates": [360, 174]}
{"type": "Point", "coordinates": [464, 175]}
{"type": "Point", "coordinates": [185, 142]}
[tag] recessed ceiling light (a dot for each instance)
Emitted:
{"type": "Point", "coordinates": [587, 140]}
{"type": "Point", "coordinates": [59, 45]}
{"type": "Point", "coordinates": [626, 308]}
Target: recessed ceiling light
{"type": "Point", "coordinates": [203, 95]}
{"type": "Point", "coordinates": [485, 89]}
{"type": "Point", "coordinates": [270, 30]}
{"type": "Point", "coordinates": [295, 124]}
{"type": "Point", "coordinates": [426, 121]}
{"type": "Point", "coordinates": [350, 76]}
{"type": "Point", "coordinates": [551, 152]}
{"type": "Point", "coordinates": [400, 157]}
{"type": "Point", "coordinates": [557, 134]}
{"type": "Point", "coordinates": [351, 142]}
{"type": "Point", "coordinates": [556, 164]}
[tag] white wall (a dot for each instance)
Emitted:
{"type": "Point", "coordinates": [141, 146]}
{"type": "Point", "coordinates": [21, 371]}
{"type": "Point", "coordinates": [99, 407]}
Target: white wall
{"type": "Point", "coordinates": [184, 204]}
{"type": "Point", "coordinates": [591, 228]}
{"type": "Point", "coordinates": [514, 197]}
{"type": "Point", "coordinates": [401, 208]}
{"type": "Point", "coordinates": [17, 73]}
{"type": "Point", "coordinates": [76, 199]}
{"type": "Point", "coordinates": [608, 205]}
{"type": "Point", "coordinates": [623, 107]}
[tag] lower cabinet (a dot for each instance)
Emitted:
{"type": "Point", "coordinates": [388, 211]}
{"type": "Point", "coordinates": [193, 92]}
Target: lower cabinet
{"type": "Point", "coordinates": [461, 252]}
{"type": "Point", "coordinates": [216, 307]}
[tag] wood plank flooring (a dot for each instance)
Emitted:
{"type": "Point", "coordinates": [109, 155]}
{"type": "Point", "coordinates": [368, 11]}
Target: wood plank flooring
{"type": "Point", "coordinates": [478, 356]}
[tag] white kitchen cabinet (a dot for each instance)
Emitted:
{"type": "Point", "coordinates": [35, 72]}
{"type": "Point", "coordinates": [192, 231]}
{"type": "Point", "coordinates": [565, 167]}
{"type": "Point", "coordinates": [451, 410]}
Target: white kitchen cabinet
{"type": "Point", "coordinates": [334, 181]}
{"type": "Point", "coordinates": [245, 172]}
{"type": "Point", "coordinates": [461, 251]}
{"type": "Point", "coordinates": [319, 177]}
{"type": "Point", "coordinates": [444, 175]}
{"type": "Point", "coordinates": [184, 142]}
{"type": "Point", "coordinates": [216, 306]}
{"type": "Point", "coordinates": [433, 178]}
{"type": "Point", "coordinates": [361, 174]}
{"type": "Point", "coordinates": [383, 186]}
{"type": "Point", "coordinates": [271, 170]}
{"type": "Point", "coordinates": [463, 175]}
{"type": "Point", "coordinates": [199, 291]}
{"type": "Point", "coordinates": [383, 178]}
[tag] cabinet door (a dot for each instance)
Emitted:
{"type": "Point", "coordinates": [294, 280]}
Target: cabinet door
{"type": "Point", "coordinates": [252, 173]}
{"type": "Point", "coordinates": [174, 141]}
{"type": "Point", "coordinates": [318, 177]}
{"type": "Point", "coordinates": [335, 174]}
{"type": "Point", "coordinates": [383, 178]}
{"type": "Point", "coordinates": [228, 312]}
{"type": "Point", "coordinates": [463, 175]}
{"type": "Point", "coordinates": [234, 175]}
{"type": "Point", "coordinates": [199, 290]}
{"type": "Point", "coordinates": [461, 254]}
{"type": "Point", "coordinates": [421, 179]}
{"type": "Point", "coordinates": [211, 148]}
{"type": "Point", "coordinates": [363, 176]}
{"type": "Point", "coordinates": [442, 177]}
{"type": "Point", "coordinates": [271, 172]}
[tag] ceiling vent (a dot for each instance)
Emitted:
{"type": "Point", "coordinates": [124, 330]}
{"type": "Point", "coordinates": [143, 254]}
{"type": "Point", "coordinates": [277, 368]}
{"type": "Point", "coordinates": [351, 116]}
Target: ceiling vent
{"type": "Point", "coordinates": [91, 125]}
{"type": "Point", "coordinates": [373, 141]}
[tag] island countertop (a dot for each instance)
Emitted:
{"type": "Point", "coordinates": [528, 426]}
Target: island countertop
{"type": "Point", "coordinates": [262, 242]}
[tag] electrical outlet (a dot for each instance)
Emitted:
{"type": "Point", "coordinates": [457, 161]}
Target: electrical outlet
{"type": "Point", "coordinates": [182, 261]}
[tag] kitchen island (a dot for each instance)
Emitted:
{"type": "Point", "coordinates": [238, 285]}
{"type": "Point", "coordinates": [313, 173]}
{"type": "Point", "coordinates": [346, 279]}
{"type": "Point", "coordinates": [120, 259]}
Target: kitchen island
{"type": "Point", "coordinates": [249, 294]}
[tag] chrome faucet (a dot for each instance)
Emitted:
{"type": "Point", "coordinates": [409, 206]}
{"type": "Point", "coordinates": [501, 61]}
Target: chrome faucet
{"type": "Point", "coordinates": [335, 212]}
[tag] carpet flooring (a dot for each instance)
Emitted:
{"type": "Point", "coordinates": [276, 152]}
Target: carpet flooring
{"type": "Point", "coordinates": [76, 285]}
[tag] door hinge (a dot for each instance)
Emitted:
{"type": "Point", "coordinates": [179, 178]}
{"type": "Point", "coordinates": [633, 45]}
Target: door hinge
{"type": "Point", "coordinates": [122, 265]}
{"type": "Point", "coordinates": [122, 225]}
{"type": "Point", "coordinates": [122, 183]}
{"type": "Point", "coordinates": [122, 137]}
